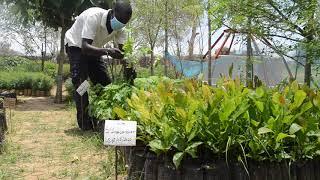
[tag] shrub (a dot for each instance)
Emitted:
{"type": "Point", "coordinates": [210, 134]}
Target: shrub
{"type": "Point", "coordinates": [230, 120]}
{"type": "Point", "coordinates": [25, 80]}
{"type": "Point", "coordinates": [66, 71]}
{"type": "Point", "coordinates": [11, 62]}
{"type": "Point", "coordinates": [20, 64]}
{"type": "Point", "coordinates": [69, 87]}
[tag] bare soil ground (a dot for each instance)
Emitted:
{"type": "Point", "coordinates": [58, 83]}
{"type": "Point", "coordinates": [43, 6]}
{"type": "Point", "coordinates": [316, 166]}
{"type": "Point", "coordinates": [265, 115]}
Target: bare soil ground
{"type": "Point", "coordinates": [44, 142]}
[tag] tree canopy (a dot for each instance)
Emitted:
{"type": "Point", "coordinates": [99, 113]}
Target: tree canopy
{"type": "Point", "coordinates": [289, 24]}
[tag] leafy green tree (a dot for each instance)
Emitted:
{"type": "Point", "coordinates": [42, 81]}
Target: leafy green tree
{"type": "Point", "coordinates": [58, 14]}
{"type": "Point", "coordinates": [147, 22]}
{"type": "Point", "coordinates": [28, 35]}
{"type": "Point", "coordinates": [286, 23]}
{"type": "Point", "coordinates": [165, 19]}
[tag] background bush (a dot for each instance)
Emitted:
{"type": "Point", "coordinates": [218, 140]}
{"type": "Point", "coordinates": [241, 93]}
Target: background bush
{"type": "Point", "coordinates": [20, 64]}
{"type": "Point", "coordinates": [25, 80]}
{"type": "Point", "coordinates": [70, 89]}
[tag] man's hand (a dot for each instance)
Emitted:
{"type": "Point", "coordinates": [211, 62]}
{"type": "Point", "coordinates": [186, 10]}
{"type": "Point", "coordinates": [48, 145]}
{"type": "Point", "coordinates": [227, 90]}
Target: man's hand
{"type": "Point", "coordinates": [115, 53]}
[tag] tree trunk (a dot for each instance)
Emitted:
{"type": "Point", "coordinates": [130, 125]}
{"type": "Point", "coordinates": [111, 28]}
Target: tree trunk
{"type": "Point", "coordinates": [166, 43]}
{"type": "Point", "coordinates": [309, 51]}
{"type": "Point", "coordinates": [193, 37]}
{"type": "Point", "coordinates": [249, 64]}
{"type": "Point", "coordinates": [307, 68]}
{"type": "Point", "coordinates": [209, 49]}
{"type": "Point", "coordinates": [152, 62]}
{"type": "Point", "coordinates": [44, 51]}
{"type": "Point", "coordinates": [61, 57]}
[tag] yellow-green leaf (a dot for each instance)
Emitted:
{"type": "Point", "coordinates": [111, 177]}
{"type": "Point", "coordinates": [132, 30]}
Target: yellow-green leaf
{"type": "Point", "coordinates": [294, 128]}
{"type": "Point", "coordinates": [177, 159]}
{"type": "Point", "coordinates": [120, 112]}
{"type": "Point", "coordinates": [282, 136]}
{"type": "Point", "coordinates": [264, 130]}
{"type": "Point", "coordinates": [260, 105]}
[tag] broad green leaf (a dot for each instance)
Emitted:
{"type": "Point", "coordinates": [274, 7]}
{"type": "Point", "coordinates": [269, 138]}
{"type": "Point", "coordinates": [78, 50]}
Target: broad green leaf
{"type": "Point", "coordinates": [260, 92]}
{"type": "Point", "coordinates": [120, 112]}
{"type": "Point", "coordinates": [299, 97]}
{"type": "Point", "coordinates": [193, 134]}
{"type": "Point", "coordinates": [177, 159]}
{"type": "Point", "coordinates": [228, 107]}
{"type": "Point", "coordinates": [288, 119]}
{"type": "Point", "coordinates": [282, 136]}
{"type": "Point", "coordinates": [264, 130]}
{"type": "Point", "coordinates": [182, 113]}
{"type": "Point", "coordinates": [306, 106]}
{"type": "Point", "coordinates": [316, 101]}
{"type": "Point", "coordinates": [179, 143]}
{"type": "Point", "coordinates": [285, 155]}
{"type": "Point", "coordinates": [295, 86]}
{"type": "Point", "coordinates": [294, 128]}
{"type": "Point", "coordinates": [189, 126]}
{"type": "Point", "coordinates": [259, 105]}
{"type": "Point", "coordinates": [192, 149]}
{"type": "Point", "coordinates": [278, 98]}
{"type": "Point", "coordinates": [157, 146]}
{"type": "Point", "coordinates": [255, 123]}
{"type": "Point", "coordinates": [314, 134]}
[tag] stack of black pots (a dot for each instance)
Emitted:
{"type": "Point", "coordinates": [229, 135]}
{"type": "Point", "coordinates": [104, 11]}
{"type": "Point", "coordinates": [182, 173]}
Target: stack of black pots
{"type": "Point", "coordinates": [145, 165]}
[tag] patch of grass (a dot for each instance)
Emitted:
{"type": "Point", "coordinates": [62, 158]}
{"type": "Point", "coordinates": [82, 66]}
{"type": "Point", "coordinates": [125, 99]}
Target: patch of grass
{"type": "Point", "coordinates": [12, 153]}
{"type": "Point", "coordinates": [47, 144]}
{"type": "Point", "coordinates": [3, 174]}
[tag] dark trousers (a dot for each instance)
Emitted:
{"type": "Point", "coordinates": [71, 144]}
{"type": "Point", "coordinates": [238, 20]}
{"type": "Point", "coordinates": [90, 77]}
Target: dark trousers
{"type": "Point", "coordinates": [81, 67]}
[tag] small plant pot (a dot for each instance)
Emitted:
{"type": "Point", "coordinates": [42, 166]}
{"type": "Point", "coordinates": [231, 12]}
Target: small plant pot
{"type": "Point", "coordinates": [34, 93]}
{"type": "Point", "coordinates": [47, 93]}
{"type": "Point", "coordinates": [136, 161]}
{"type": "Point", "coordinates": [29, 92]}
{"type": "Point", "coordinates": [191, 169]}
{"type": "Point", "coordinates": [25, 92]}
{"type": "Point", "coordinates": [167, 170]}
{"type": "Point", "coordinates": [216, 170]}
{"type": "Point", "coordinates": [42, 93]}
{"type": "Point", "coordinates": [151, 167]}
{"type": "Point", "coordinates": [21, 92]}
{"type": "Point", "coordinates": [37, 93]}
{"type": "Point", "coordinates": [238, 171]}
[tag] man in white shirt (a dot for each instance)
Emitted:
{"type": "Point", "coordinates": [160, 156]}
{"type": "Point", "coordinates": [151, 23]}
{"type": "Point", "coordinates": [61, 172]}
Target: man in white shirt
{"type": "Point", "coordinates": [84, 45]}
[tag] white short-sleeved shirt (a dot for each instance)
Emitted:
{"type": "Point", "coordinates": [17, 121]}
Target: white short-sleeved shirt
{"type": "Point", "coordinates": [91, 24]}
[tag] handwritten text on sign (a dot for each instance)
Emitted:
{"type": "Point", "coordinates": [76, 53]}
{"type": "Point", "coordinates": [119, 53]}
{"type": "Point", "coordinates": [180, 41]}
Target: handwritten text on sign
{"type": "Point", "coordinates": [83, 88]}
{"type": "Point", "coordinates": [120, 133]}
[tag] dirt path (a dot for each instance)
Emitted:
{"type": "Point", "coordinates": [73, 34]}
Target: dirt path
{"type": "Point", "coordinates": [44, 143]}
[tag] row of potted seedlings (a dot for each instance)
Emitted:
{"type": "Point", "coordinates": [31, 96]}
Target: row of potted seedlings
{"type": "Point", "coordinates": [26, 83]}
{"type": "Point", "coordinates": [189, 130]}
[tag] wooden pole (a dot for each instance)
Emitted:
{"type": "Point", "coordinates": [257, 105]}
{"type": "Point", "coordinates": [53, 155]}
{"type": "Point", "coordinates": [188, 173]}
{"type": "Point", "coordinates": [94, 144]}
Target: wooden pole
{"type": "Point", "coordinates": [209, 49]}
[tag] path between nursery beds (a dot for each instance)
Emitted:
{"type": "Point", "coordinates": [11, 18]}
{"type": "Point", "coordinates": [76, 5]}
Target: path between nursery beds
{"type": "Point", "coordinates": [44, 143]}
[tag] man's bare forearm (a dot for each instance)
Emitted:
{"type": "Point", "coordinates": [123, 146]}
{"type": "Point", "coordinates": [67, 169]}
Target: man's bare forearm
{"type": "Point", "coordinates": [91, 50]}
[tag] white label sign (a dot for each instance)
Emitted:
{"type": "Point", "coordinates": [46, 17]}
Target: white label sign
{"type": "Point", "coordinates": [120, 133]}
{"type": "Point", "coordinates": [83, 88]}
